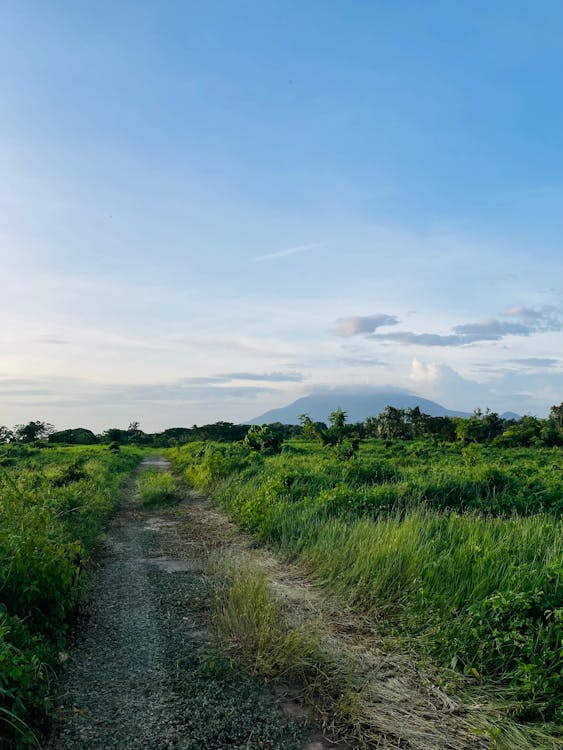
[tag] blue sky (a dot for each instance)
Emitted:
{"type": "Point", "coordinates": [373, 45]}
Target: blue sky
{"type": "Point", "coordinates": [208, 209]}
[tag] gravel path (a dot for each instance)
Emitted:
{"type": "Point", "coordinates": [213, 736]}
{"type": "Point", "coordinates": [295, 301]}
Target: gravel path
{"type": "Point", "coordinates": [145, 674]}
{"type": "Point", "coordinates": [142, 675]}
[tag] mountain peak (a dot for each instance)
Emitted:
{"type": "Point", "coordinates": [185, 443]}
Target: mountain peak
{"type": "Point", "coordinates": [358, 405]}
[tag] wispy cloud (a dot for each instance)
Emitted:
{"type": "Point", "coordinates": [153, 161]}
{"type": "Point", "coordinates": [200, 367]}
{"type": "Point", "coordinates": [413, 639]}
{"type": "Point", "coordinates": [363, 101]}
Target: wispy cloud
{"type": "Point", "coordinates": [50, 340]}
{"type": "Point", "coordinates": [362, 324]}
{"type": "Point", "coordinates": [362, 361]}
{"type": "Point", "coordinates": [71, 391]}
{"type": "Point", "coordinates": [271, 377]}
{"type": "Point", "coordinates": [288, 251]}
{"type": "Point", "coordinates": [525, 322]}
{"type": "Point", "coordinates": [547, 318]}
{"type": "Point", "coordinates": [536, 361]}
{"type": "Point", "coordinates": [421, 339]}
{"type": "Point", "coordinates": [228, 377]}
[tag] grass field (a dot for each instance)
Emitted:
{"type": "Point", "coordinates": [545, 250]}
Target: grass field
{"type": "Point", "coordinates": [453, 551]}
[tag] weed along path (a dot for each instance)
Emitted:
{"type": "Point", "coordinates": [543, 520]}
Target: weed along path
{"type": "Point", "coordinates": [143, 674]}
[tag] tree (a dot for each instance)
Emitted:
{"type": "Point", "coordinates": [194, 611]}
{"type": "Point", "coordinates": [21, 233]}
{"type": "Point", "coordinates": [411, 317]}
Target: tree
{"type": "Point", "coordinates": [263, 439]}
{"type": "Point", "coordinates": [556, 417]}
{"type": "Point", "coordinates": [337, 420]}
{"type": "Point", "coordinates": [524, 433]}
{"type": "Point", "coordinates": [392, 423]}
{"type": "Point", "coordinates": [115, 435]}
{"type": "Point", "coordinates": [32, 431]}
{"type": "Point", "coordinates": [6, 435]}
{"type": "Point", "coordinates": [76, 436]}
{"type": "Point", "coordinates": [371, 426]}
{"type": "Point", "coordinates": [310, 428]}
{"type": "Point", "coordinates": [442, 428]}
{"type": "Point", "coordinates": [479, 427]}
{"type": "Point", "coordinates": [493, 425]}
{"type": "Point", "coordinates": [415, 418]}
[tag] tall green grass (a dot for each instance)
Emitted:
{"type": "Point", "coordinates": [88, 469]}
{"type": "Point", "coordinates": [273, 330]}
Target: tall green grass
{"type": "Point", "coordinates": [250, 622]}
{"type": "Point", "coordinates": [157, 487]}
{"type": "Point", "coordinates": [432, 543]}
{"type": "Point", "coordinates": [253, 631]}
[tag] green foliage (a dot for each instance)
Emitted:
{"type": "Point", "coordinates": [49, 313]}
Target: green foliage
{"type": "Point", "coordinates": [53, 503]}
{"type": "Point", "coordinates": [20, 674]}
{"type": "Point", "coordinates": [206, 464]}
{"type": "Point", "coordinates": [458, 545]}
{"type": "Point", "coordinates": [524, 433]}
{"type": "Point", "coordinates": [519, 631]}
{"type": "Point", "coordinates": [311, 430]}
{"type": "Point", "coordinates": [341, 438]}
{"type": "Point", "coordinates": [32, 431]}
{"type": "Point", "coordinates": [69, 473]}
{"type": "Point", "coordinates": [346, 448]}
{"type": "Point", "coordinates": [263, 439]}
{"type": "Point", "coordinates": [78, 436]}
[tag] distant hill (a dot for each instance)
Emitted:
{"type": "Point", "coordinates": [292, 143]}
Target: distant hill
{"type": "Point", "coordinates": [357, 405]}
{"type": "Point", "coordinates": [510, 415]}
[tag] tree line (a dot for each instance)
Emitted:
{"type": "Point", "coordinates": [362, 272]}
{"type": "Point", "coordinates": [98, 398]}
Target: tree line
{"type": "Point", "coordinates": [412, 424]}
{"type": "Point", "coordinates": [391, 424]}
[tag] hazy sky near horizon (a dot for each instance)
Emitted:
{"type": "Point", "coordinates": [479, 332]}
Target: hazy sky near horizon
{"type": "Point", "coordinates": [209, 209]}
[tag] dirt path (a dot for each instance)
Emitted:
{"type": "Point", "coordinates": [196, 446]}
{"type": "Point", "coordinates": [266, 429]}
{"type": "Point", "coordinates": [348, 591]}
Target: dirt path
{"type": "Point", "coordinates": [141, 676]}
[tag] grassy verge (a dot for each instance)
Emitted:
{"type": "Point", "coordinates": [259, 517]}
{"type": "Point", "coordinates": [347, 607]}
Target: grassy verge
{"type": "Point", "coordinates": [466, 580]}
{"type": "Point", "coordinates": [359, 700]}
{"type": "Point", "coordinates": [53, 504]}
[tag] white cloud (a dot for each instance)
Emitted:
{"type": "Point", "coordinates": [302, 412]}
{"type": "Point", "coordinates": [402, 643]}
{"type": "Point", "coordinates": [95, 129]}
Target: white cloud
{"type": "Point", "coordinates": [442, 383]}
{"type": "Point", "coordinates": [422, 372]}
{"type": "Point", "coordinates": [288, 251]}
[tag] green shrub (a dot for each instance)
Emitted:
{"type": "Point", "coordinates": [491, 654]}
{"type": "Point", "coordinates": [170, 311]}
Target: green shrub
{"type": "Point", "coordinates": [22, 683]}
{"type": "Point", "coordinates": [53, 504]}
{"type": "Point", "coordinates": [205, 464]}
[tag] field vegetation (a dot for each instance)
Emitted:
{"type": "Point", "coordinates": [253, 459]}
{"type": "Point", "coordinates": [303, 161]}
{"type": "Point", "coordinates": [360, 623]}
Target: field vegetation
{"type": "Point", "coordinates": [451, 548]}
{"type": "Point", "coordinates": [53, 504]}
{"type": "Point", "coordinates": [445, 532]}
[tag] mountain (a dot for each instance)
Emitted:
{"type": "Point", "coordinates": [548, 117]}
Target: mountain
{"type": "Point", "coordinates": [357, 404]}
{"type": "Point", "coordinates": [510, 415]}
